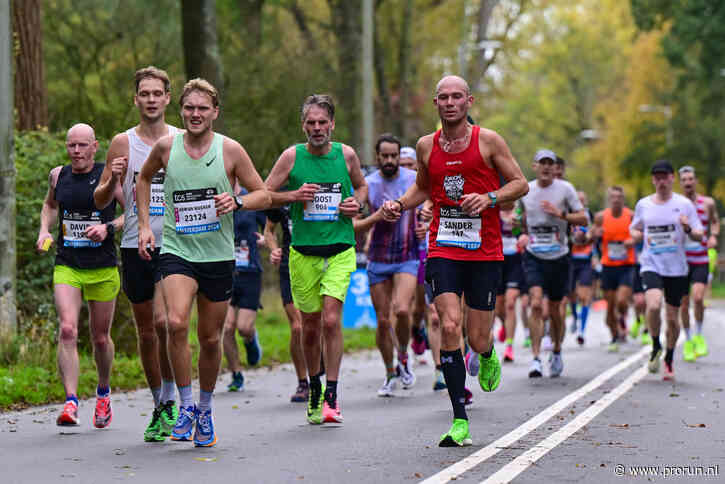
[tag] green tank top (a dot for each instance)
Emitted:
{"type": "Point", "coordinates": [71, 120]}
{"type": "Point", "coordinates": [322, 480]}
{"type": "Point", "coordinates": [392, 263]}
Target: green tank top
{"type": "Point", "coordinates": [192, 229]}
{"type": "Point", "coordinates": [320, 223]}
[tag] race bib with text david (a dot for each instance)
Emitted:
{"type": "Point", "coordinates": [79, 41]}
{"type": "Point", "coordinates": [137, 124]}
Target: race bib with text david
{"type": "Point", "coordinates": [75, 224]}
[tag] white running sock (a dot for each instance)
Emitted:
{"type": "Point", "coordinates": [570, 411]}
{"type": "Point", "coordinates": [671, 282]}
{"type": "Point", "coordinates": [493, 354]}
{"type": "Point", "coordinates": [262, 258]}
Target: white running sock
{"type": "Point", "coordinates": [187, 399]}
{"type": "Point", "coordinates": [698, 325]}
{"type": "Point", "coordinates": [687, 333]}
{"type": "Point", "coordinates": [205, 400]}
{"type": "Point", "coordinates": [156, 393]}
{"type": "Point", "coordinates": [168, 390]}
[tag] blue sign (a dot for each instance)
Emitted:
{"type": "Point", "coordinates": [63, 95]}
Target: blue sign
{"type": "Point", "coordinates": [358, 310]}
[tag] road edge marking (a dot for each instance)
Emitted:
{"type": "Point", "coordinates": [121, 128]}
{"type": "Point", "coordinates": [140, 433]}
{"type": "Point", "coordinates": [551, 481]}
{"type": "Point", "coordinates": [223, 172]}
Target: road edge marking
{"type": "Point", "coordinates": [467, 463]}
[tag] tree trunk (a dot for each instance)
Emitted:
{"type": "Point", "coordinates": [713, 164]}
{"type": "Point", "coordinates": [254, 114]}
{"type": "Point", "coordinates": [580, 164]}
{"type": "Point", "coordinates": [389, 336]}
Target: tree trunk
{"type": "Point", "coordinates": [485, 11]}
{"type": "Point", "coordinates": [252, 14]}
{"type": "Point", "coordinates": [8, 314]}
{"type": "Point", "coordinates": [30, 97]}
{"type": "Point", "coordinates": [401, 119]}
{"type": "Point", "coordinates": [347, 26]}
{"type": "Point", "coordinates": [201, 49]}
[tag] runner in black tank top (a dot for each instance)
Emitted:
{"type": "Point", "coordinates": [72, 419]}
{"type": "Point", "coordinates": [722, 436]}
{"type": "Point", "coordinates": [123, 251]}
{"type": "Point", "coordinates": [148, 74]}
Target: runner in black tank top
{"type": "Point", "coordinates": [85, 267]}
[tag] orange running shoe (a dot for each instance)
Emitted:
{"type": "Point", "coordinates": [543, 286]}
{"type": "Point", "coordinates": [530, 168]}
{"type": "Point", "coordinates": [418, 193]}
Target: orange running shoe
{"type": "Point", "coordinates": [331, 413]}
{"type": "Point", "coordinates": [103, 414]}
{"type": "Point", "coordinates": [69, 416]}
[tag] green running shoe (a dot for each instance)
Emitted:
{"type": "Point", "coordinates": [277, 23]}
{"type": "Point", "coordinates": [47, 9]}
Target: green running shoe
{"type": "Point", "coordinates": [700, 345]}
{"type": "Point", "coordinates": [688, 351]}
{"type": "Point", "coordinates": [634, 330]}
{"type": "Point", "coordinates": [489, 374]}
{"type": "Point", "coordinates": [654, 361]}
{"type": "Point", "coordinates": [153, 431]}
{"type": "Point", "coordinates": [314, 407]}
{"type": "Point", "coordinates": [457, 436]}
{"type": "Point", "coordinates": [645, 339]}
{"type": "Point", "coordinates": [169, 415]}
{"type": "Point", "coordinates": [527, 342]}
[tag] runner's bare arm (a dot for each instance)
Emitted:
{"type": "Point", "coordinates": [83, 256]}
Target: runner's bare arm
{"type": "Point", "coordinates": [356, 175]}
{"type": "Point", "coordinates": [279, 176]}
{"type": "Point", "coordinates": [598, 229]}
{"type": "Point", "coordinates": [257, 197]}
{"type": "Point", "coordinates": [157, 159]}
{"type": "Point", "coordinates": [506, 165]}
{"type": "Point", "coordinates": [113, 172]}
{"type": "Point", "coordinates": [49, 211]}
{"type": "Point", "coordinates": [714, 224]}
{"type": "Point", "coordinates": [366, 223]}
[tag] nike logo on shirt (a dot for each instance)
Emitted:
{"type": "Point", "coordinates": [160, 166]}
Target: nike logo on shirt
{"type": "Point", "coordinates": [211, 161]}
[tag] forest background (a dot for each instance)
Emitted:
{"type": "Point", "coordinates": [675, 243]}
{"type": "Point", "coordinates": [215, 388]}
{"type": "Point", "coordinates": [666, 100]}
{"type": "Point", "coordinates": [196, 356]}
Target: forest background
{"type": "Point", "coordinates": [609, 85]}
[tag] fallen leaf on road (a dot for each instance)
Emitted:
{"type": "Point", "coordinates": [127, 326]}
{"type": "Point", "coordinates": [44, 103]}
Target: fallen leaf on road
{"type": "Point", "coordinates": [674, 394]}
{"type": "Point", "coordinates": [418, 475]}
{"type": "Point", "coordinates": [695, 426]}
{"type": "Point", "coordinates": [235, 406]}
{"type": "Point", "coordinates": [119, 451]}
{"type": "Point", "coordinates": [619, 426]}
{"type": "Point", "coordinates": [205, 459]}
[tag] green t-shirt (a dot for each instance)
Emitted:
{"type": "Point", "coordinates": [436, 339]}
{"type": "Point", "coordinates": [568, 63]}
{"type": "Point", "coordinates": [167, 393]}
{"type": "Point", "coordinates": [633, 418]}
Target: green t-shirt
{"type": "Point", "coordinates": [192, 229]}
{"type": "Point", "coordinates": [319, 223]}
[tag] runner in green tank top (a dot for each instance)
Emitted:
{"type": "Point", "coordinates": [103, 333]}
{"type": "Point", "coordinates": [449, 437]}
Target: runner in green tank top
{"type": "Point", "coordinates": [197, 256]}
{"type": "Point", "coordinates": [321, 177]}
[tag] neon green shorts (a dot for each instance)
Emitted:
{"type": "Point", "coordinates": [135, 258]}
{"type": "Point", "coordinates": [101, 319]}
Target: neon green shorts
{"type": "Point", "coordinates": [100, 284]}
{"type": "Point", "coordinates": [312, 277]}
{"type": "Point", "coordinates": [712, 256]}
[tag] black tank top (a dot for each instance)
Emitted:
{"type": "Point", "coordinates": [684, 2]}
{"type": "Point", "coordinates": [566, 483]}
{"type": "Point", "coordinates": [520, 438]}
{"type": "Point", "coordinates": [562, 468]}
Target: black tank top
{"type": "Point", "coordinates": [76, 212]}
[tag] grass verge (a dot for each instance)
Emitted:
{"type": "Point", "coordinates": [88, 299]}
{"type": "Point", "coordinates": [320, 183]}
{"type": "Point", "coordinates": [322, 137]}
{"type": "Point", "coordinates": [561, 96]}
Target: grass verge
{"type": "Point", "coordinates": [28, 373]}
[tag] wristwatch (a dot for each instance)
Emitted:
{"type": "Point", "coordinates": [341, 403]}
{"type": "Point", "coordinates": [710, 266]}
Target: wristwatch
{"type": "Point", "coordinates": [238, 200]}
{"type": "Point", "coordinates": [110, 229]}
{"type": "Point", "coordinates": [492, 196]}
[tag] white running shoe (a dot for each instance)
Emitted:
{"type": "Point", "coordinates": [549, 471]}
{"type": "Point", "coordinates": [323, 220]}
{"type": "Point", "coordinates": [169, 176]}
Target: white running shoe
{"type": "Point", "coordinates": [535, 369]}
{"type": "Point", "coordinates": [556, 365]}
{"type": "Point", "coordinates": [546, 343]}
{"type": "Point", "coordinates": [406, 375]}
{"type": "Point", "coordinates": [389, 384]}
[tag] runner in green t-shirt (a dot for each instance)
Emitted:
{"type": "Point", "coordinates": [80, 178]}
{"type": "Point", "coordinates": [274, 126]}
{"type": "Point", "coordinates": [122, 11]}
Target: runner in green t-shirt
{"type": "Point", "coordinates": [326, 189]}
{"type": "Point", "coordinates": [197, 255]}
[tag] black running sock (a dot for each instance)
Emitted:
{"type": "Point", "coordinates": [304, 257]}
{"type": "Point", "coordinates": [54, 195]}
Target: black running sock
{"type": "Point", "coordinates": [488, 354]}
{"type": "Point", "coordinates": [303, 382]}
{"type": "Point", "coordinates": [331, 392]}
{"type": "Point", "coordinates": [669, 355]}
{"type": "Point", "coordinates": [454, 373]}
{"type": "Point", "coordinates": [438, 367]}
{"type": "Point", "coordinates": [656, 345]}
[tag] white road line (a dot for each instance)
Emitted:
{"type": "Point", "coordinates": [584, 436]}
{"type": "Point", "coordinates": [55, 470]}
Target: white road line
{"type": "Point", "coordinates": [455, 470]}
{"type": "Point", "coordinates": [508, 472]}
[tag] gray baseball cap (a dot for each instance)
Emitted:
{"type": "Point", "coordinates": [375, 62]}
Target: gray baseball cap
{"type": "Point", "coordinates": [542, 154]}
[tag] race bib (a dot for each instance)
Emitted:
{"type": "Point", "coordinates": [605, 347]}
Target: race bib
{"type": "Point", "coordinates": [75, 224]}
{"type": "Point", "coordinates": [457, 229]}
{"type": "Point", "coordinates": [662, 238]}
{"type": "Point", "coordinates": [326, 205]}
{"type": "Point", "coordinates": [241, 255]}
{"type": "Point", "coordinates": [616, 250]}
{"type": "Point", "coordinates": [195, 212]}
{"type": "Point", "coordinates": [157, 205]}
{"type": "Point", "coordinates": [545, 239]}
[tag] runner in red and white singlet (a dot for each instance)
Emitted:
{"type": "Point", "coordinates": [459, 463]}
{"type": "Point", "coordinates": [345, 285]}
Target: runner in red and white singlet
{"type": "Point", "coordinates": [459, 168]}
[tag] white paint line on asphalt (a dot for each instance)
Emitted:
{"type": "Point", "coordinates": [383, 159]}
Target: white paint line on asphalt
{"type": "Point", "coordinates": [508, 472]}
{"type": "Point", "coordinates": [455, 470]}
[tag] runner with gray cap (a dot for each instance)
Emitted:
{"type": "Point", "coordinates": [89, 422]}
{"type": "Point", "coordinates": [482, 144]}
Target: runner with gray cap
{"type": "Point", "coordinates": [549, 206]}
{"type": "Point", "coordinates": [664, 220]}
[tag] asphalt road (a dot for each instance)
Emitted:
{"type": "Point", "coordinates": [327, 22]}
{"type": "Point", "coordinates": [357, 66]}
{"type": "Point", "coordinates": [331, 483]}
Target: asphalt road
{"type": "Point", "coordinates": [602, 421]}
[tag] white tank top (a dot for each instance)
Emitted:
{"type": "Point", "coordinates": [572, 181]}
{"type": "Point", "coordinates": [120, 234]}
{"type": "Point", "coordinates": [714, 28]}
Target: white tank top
{"type": "Point", "coordinates": [138, 151]}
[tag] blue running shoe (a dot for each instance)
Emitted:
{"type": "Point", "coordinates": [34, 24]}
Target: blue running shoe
{"type": "Point", "coordinates": [184, 423]}
{"type": "Point", "coordinates": [254, 350]}
{"type": "Point", "coordinates": [204, 435]}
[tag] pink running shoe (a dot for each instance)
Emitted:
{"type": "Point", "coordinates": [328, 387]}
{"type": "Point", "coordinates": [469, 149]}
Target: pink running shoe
{"type": "Point", "coordinates": [418, 343]}
{"type": "Point", "coordinates": [103, 415]}
{"type": "Point", "coordinates": [331, 414]}
{"type": "Point", "coordinates": [472, 363]}
{"type": "Point", "coordinates": [508, 354]}
{"type": "Point", "coordinates": [469, 396]}
{"type": "Point", "coordinates": [669, 374]}
{"type": "Point", "coordinates": [502, 334]}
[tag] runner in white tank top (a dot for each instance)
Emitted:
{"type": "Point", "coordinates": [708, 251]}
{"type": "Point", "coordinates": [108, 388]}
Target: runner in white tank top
{"type": "Point", "coordinates": [142, 279]}
{"type": "Point", "coordinates": [698, 261]}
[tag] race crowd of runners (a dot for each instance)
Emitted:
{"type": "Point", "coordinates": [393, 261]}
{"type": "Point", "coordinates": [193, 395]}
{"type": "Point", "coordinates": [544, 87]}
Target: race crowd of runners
{"type": "Point", "coordinates": [453, 235]}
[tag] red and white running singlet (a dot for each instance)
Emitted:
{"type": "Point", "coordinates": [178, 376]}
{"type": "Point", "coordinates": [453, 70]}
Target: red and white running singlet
{"type": "Point", "coordinates": [453, 233]}
{"type": "Point", "coordinates": [696, 251]}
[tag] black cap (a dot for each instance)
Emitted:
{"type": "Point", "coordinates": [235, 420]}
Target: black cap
{"type": "Point", "coordinates": [662, 166]}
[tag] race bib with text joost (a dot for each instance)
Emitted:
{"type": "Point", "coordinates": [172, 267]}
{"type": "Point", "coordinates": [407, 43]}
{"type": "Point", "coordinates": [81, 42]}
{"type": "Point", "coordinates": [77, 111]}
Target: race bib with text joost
{"type": "Point", "coordinates": [662, 238]}
{"type": "Point", "coordinates": [195, 212]}
{"type": "Point", "coordinates": [326, 205]}
{"type": "Point", "coordinates": [544, 239]}
{"type": "Point", "coordinates": [616, 250]}
{"type": "Point", "coordinates": [458, 229]}
{"type": "Point", "coordinates": [157, 205]}
{"type": "Point", "coordinates": [75, 224]}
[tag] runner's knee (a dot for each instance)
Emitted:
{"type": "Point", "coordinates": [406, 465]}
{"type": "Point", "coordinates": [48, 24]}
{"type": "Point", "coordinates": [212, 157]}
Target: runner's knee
{"type": "Point", "coordinates": [68, 333]}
